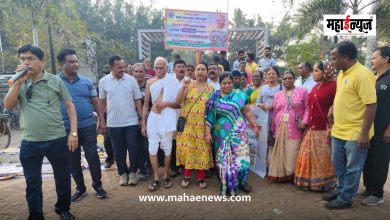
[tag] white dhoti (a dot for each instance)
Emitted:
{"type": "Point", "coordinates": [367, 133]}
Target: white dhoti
{"type": "Point", "coordinates": [161, 127]}
{"type": "Point", "coordinates": [157, 136]}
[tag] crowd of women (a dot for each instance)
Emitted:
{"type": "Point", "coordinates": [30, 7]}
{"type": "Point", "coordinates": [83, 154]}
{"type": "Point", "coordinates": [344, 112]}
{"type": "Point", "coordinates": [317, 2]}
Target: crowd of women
{"type": "Point", "coordinates": [217, 124]}
{"type": "Point", "coordinates": [216, 112]}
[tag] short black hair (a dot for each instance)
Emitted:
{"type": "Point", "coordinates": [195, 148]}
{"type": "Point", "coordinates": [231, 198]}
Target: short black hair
{"type": "Point", "coordinates": [346, 48]}
{"type": "Point", "coordinates": [113, 58]}
{"type": "Point", "coordinates": [65, 52]}
{"type": "Point", "coordinates": [190, 65]}
{"type": "Point", "coordinates": [244, 74]}
{"type": "Point", "coordinates": [222, 52]}
{"type": "Point", "coordinates": [251, 56]}
{"type": "Point", "coordinates": [225, 75]}
{"type": "Point", "coordinates": [240, 51]}
{"type": "Point", "coordinates": [308, 66]}
{"type": "Point", "coordinates": [269, 48]}
{"type": "Point", "coordinates": [38, 52]}
{"type": "Point", "coordinates": [217, 59]}
{"type": "Point", "coordinates": [178, 62]}
{"type": "Point", "coordinates": [384, 52]}
{"type": "Point", "coordinates": [176, 56]}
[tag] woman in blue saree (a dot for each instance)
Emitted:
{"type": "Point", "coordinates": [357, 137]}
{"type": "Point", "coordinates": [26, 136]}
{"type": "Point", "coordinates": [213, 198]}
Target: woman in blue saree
{"type": "Point", "coordinates": [228, 118]}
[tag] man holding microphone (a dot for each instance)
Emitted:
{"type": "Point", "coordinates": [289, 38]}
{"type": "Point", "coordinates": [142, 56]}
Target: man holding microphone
{"type": "Point", "coordinates": [39, 94]}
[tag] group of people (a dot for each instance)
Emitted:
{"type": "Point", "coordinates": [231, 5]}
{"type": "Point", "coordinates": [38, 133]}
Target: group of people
{"type": "Point", "coordinates": [194, 117]}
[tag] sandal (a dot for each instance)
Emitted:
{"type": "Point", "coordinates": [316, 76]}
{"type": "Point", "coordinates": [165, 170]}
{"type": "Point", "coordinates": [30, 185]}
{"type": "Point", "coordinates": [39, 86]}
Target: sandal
{"type": "Point", "coordinates": [202, 184]}
{"type": "Point", "coordinates": [167, 183]}
{"type": "Point", "coordinates": [185, 182]}
{"type": "Point", "coordinates": [154, 185]}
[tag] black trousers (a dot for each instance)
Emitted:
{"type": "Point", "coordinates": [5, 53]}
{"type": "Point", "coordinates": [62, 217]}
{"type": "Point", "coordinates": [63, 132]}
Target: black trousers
{"type": "Point", "coordinates": [376, 166]}
{"type": "Point", "coordinates": [108, 145]}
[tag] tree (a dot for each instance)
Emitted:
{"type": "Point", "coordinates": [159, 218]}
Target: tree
{"type": "Point", "coordinates": [306, 51]}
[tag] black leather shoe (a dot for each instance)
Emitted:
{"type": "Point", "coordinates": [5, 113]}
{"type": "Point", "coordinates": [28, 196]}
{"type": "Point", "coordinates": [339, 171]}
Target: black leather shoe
{"type": "Point", "coordinates": [66, 216]}
{"type": "Point", "coordinates": [108, 164]}
{"type": "Point", "coordinates": [337, 204]}
{"type": "Point", "coordinates": [330, 196]}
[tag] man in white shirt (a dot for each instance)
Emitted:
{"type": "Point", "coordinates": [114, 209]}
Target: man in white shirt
{"type": "Point", "coordinates": [241, 58]}
{"type": "Point", "coordinates": [305, 79]}
{"type": "Point", "coordinates": [267, 61]}
{"type": "Point", "coordinates": [121, 95]}
{"type": "Point", "coordinates": [213, 78]}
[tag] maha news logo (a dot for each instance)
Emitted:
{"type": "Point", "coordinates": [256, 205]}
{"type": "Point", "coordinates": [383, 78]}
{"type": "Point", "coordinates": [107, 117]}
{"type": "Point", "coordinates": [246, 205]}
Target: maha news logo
{"type": "Point", "coordinates": [350, 25]}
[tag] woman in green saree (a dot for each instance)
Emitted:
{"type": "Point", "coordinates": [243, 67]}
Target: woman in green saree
{"type": "Point", "coordinates": [228, 118]}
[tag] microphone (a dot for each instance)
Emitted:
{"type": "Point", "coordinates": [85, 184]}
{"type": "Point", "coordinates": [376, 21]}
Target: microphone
{"type": "Point", "coordinates": [17, 76]}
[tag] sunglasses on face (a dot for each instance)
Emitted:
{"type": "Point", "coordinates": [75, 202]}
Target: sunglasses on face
{"type": "Point", "coordinates": [29, 91]}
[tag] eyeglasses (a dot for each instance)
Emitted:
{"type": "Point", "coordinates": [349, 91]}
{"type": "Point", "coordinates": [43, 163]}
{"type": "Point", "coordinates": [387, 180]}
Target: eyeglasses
{"type": "Point", "coordinates": [287, 78]}
{"type": "Point", "coordinates": [29, 59]}
{"type": "Point", "coordinates": [29, 91]}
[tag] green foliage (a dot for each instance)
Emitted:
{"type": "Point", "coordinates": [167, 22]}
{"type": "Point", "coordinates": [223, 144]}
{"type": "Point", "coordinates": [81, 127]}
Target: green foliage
{"type": "Point", "coordinates": [307, 51]}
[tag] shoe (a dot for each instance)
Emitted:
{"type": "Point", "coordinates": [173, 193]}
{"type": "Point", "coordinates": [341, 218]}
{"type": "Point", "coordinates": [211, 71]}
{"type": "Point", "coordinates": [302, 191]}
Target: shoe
{"type": "Point", "coordinates": [108, 164]}
{"type": "Point", "coordinates": [143, 177]}
{"type": "Point", "coordinates": [363, 194]}
{"type": "Point", "coordinates": [330, 196]}
{"type": "Point", "coordinates": [246, 188]}
{"type": "Point", "coordinates": [66, 216]}
{"type": "Point", "coordinates": [78, 195]}
{"type": "Point", "coordinates": [373, 201]}
{"type": "Point", "coordinates": [124, 179]}
{"type": "Point", "coordinates": [133, 179]}
{"type": "Point", "coordinates": [100, 193]}
{"type": "Point", "coordinates": [337, 204]}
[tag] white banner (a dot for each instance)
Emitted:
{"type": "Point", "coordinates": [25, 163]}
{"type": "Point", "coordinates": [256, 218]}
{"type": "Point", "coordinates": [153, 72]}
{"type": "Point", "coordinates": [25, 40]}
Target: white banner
{"type": "Point", "coordinates": [258, 145]}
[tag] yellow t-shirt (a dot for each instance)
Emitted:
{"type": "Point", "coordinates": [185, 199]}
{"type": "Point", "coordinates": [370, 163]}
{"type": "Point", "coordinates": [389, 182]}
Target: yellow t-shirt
{"type": "Point", "coordinates": [355, 90]}
{"type": "Point", "coordinates": [251, 67]}
{"type": "Point", "coordinates": [253, 97]}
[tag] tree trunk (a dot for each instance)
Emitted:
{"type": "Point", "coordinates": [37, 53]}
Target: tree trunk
{"type": "Point", "coordinates": [2, 55]}
{"type": "Point", "coordinates": [52, 61]}
{"type": "Point", "coordinates": [35, 33]}
{"type": "Point", "coordinates": [371, 42]}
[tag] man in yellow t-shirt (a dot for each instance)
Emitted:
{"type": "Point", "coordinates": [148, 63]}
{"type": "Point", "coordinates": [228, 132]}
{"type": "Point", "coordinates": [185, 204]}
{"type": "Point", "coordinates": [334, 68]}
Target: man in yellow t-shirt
{"type": "Point", "coordinates": [353, 113]}
{"type": "Point", "coordinates": [251, 65]}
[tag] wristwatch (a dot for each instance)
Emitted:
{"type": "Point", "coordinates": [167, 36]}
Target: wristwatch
{"type": "Point", "coordinates": [74, 134]}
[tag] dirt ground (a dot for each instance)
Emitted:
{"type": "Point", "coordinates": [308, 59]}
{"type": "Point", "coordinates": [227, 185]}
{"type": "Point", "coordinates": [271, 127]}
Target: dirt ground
{"type": "Point", "coordinates": [268, 201]}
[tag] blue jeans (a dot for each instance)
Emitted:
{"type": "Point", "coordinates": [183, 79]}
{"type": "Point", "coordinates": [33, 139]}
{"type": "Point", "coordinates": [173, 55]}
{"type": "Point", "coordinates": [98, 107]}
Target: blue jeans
{"type": "Point", "coordinates": [348, 161]}
{"type": "Point", "coordinates": [87, 139]}
{"type": "Point", "coordinates": [31, 157]}
{"type": "Point", "coordinates": [126, 139]}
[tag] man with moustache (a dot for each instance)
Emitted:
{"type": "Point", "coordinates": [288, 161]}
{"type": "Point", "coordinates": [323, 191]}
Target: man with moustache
{"type": "Point", "coordinates": [39, 94]}
{"type": "Point", "coordinates": [377, 162]}
{"type": "Point", "coordinates": [84, 95]}
{"type": "Point", "coordinates": [161, 121]}
{"type": "Point", "coordinates": [213, 78]}
{"type": "Point", "coordinates": [121, 95]}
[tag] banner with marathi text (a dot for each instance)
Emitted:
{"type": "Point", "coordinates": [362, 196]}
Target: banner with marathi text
{"type": "Point", "coordinates": [191, 30]}
{"type": "Point", "coordinates": [258, 145]}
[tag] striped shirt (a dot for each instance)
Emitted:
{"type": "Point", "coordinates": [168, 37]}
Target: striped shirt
{"type": "Point", "coordinates": [120, 95]}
